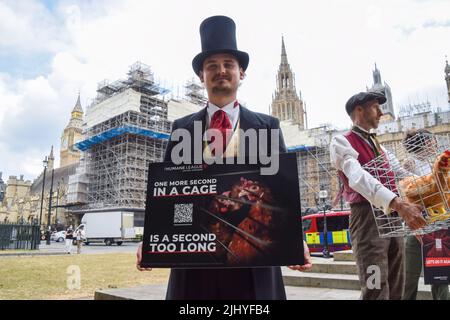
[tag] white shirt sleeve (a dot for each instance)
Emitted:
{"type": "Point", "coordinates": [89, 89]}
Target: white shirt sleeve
{"type": "Point", "coordinates": [345, 159]}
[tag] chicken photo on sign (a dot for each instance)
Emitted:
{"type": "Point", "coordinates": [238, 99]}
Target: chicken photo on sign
{"type": "Point", "coordinates": [249, 206]}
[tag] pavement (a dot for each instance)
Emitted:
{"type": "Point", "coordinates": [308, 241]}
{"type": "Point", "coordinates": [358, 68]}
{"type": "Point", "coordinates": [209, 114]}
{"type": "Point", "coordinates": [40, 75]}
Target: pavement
{"type": "Point", "coordinates": [59, 248]}
{"type": "Point", "coordinates": [312, 290]}
{"type": "Point", "coordinates": [330, 279]}
{"type": "Point", "coordinates": [158, 292]}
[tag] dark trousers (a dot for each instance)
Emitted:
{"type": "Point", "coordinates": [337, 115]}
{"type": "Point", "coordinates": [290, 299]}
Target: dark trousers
{"type": "Point", "coordinates": [264, 283]}
{"type": "Point", "coordinates": [413, 267]}
{"type": "Point", "coordinates": [380, 261]}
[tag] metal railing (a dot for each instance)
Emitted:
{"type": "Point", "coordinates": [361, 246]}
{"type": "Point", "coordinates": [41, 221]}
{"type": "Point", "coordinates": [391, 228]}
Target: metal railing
{"type": "Point", "coordinates": [19, 236]}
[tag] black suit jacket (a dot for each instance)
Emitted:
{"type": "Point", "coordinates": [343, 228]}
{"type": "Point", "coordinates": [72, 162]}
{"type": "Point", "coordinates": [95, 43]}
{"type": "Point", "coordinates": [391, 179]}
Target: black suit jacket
{"type": "Point", "coordinates": [264, 283]}
{"type": "Point", "coordinates": [248, 120]}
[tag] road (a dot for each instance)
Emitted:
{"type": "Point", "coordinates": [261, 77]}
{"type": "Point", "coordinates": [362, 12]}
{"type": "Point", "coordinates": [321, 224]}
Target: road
{"type": "Point", "coordinates": [99, 248]}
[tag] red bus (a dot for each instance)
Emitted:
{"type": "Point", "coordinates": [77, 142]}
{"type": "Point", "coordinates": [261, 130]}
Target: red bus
{"type": "Point", "coordinates": [338, 235]}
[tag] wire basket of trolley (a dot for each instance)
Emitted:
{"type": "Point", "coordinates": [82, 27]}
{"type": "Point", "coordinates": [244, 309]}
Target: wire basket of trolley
{"type": "Point", "coordinates": [419, 173]}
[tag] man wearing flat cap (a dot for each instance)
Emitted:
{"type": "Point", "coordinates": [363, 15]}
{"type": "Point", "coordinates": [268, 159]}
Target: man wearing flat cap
{"type": "Point", "coordinates": [349, 153]}
{"type": "Point", "coordinates": [220, 67]}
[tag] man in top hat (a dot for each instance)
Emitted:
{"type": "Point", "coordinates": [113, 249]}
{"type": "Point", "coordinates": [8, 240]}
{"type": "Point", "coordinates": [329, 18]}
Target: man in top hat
{"type": "Point", "coordinates": [220, 67]}
{"type": "Point", "coordinates": [380, 261]}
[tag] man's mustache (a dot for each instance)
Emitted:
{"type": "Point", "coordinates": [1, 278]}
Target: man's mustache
{"type": "Point", "coordinates": [221, 78]}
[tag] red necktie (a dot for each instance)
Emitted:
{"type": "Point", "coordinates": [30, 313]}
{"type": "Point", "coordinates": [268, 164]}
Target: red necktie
{"type": "Point", "coordinates": [220, 121]}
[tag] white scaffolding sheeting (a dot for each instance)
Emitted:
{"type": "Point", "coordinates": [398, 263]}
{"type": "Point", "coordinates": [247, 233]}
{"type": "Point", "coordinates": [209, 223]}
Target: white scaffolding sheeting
{"type": "Point", "coordinates": [77, 189]}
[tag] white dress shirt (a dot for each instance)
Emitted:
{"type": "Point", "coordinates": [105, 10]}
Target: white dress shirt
{"type": "Point", "coordinates": [231, 111]}
{"type": "Point", "coordinates": [345, 159]}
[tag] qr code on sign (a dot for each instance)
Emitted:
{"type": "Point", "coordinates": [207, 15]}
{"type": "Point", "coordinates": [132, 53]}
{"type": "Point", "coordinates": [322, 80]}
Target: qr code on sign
{"type": "Point", "coordinates": [183, 213]}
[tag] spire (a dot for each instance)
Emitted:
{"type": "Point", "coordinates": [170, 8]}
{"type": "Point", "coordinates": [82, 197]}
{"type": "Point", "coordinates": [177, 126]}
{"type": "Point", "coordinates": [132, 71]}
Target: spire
{"type": "Point", "coordinates": [51, 160]}
{"type": "Point", "coordinates": [378, 86]}
{"type": "Point", "coordinates": [286, 104]}
{"type": "Point", "coordinates": [447, 77]}
{"type": "Point", "coordinates": [51, 156]}
{"type": "Point", "coordinates": [77, 112]}
{"type": "Point", "coordinates": [283, 52]}
{"type": "Point", "coordinates": [376, 75]}
{"type": "Point", "coordinates": [285, 76]}
{"type": "Point", "coordinates": [78, 107]}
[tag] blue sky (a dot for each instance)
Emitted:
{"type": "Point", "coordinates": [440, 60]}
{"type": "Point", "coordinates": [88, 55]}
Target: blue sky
{"type": "Point", "coordinates": [18, 65]}
{"type": "Point", "coordinates": [16, 62]}
{"type": "Point", "coordinates": [50, 4]}
{"type": "Point", "coordinates": [50, 50]}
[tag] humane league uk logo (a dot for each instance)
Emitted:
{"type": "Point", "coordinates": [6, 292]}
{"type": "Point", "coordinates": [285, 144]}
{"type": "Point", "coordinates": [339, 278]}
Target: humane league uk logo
{"type": "Point", "coordinates": [253, 146]}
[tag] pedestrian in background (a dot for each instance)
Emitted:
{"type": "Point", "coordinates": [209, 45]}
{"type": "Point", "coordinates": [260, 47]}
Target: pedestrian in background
{"type": "Point", "coordinates": [80, 238]}
{"type": "Point", "coordinates": [69, 240]}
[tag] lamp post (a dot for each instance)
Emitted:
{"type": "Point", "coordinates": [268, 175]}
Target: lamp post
{"type": "Point", "coordinates": [341, 200]}
{"type": "Point", "coordinates": [57, 200]}
{"type": "Point", "coordinates": [50, 210]}
{"type": "Point", "coordinates": [45, 163]}
{"type": "Point", "coordinates": [323, 194]}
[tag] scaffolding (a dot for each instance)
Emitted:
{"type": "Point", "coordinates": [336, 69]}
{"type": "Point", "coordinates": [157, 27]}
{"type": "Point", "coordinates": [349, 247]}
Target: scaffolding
{"type": "Point", "coordinates": [140, 79]}
{"type": "Point", "coordinates": [316, 172]}
{"type": "Point", "coordinates": [118, 148]}
{"type": "Point", "coordinates": [119, 169]}
{"type": "Point", "coordinates": [195, 93]}
{"type": "Point", "coordinates": [414, 109]}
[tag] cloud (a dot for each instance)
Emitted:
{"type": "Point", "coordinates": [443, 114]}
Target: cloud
{"type": "Point", "coordinates": [29, 163]}
{"type": "Point", "coordinates": [437, 24]}
{"type": "Point", "coordinates": [405, 31]}
{"type": "Point", "coordinates": [28, 27]}
{"type": "Point", "coordinates": [29, 117]}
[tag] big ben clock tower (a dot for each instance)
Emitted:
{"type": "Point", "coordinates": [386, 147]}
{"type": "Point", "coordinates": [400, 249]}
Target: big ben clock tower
{"type": "Point", "coordinates": [71, 135]}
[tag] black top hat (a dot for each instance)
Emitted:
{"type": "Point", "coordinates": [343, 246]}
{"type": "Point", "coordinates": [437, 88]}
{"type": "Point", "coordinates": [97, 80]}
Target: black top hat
{"type": "Point", "coordinates": [218, 35]}
{"type": "Point", "coordinates": [363, 97]}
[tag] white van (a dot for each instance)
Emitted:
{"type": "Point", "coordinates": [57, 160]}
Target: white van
{"type": "Point", "coordinates": [108, 227]}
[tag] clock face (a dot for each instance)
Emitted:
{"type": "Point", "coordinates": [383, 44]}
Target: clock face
{"type": "Point", "coordinates": [64, 143]}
